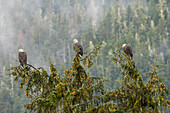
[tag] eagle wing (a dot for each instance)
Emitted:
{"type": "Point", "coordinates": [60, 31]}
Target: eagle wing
{"type": "Point", "coordinates": [78, 48]}
{"type": "Point", "coordinates": [128, 51]}
{"type": "Point", "coordinates": [22, 58]}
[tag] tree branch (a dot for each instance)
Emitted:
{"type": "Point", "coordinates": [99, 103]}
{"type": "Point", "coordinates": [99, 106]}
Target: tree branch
{"type": "Point", "coordinates": [14, 60]}
{"type": "Point", "coordinates": [32, 67]}
{"type": "Point", "coordinates": [87, 55]}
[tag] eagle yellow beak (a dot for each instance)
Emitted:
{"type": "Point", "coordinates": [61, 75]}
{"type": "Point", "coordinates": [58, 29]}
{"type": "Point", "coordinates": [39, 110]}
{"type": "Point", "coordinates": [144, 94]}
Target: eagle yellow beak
{"type": "Point", "coordinates": [21, 50]}
{"type": "Point", "coordinates": [123, 45]}
{"type": "Point", "coordinates": [75, 41]}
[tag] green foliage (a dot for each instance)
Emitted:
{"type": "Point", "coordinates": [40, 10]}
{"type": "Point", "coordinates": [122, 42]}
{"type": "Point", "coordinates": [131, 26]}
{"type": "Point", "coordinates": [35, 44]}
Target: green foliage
{"type": "Point", "coordinates": [76, 91]}
{"type": "Point", "coordinates": [48, 28]}
{"type": "Point", "coordinates": [134, 95]}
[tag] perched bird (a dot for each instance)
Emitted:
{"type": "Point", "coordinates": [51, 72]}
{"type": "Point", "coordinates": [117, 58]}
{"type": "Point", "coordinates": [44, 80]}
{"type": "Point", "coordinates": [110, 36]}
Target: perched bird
{"type": "Point", "coordinates": [127, 49]}
{"type": "Point", "coordinates": [77, 47]}
{"type": "Point", "coordinates": [22, 58]}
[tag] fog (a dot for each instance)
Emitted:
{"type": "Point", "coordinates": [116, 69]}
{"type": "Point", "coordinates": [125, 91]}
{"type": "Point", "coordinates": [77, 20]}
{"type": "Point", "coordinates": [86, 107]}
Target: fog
{"type": "Point", "coordinates": [7, 32]}
{"type": "Point", "coordinates": [45, 29]}
{"type": "Point", "coordinates": [20, 18]}
{"type": "Point", "coordinates": [25, 23]}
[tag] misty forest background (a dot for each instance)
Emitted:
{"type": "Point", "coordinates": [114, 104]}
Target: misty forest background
{"type": "Point", "coordinates": [45, 29]}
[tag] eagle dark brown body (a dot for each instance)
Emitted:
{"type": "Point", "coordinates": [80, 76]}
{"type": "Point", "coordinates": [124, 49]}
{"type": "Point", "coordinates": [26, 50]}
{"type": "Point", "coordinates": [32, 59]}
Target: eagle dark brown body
{"type": "Point", "coordinates": [127, 49]}
{"type": "Point", "coordinates": [77, 47]}
{"type": "Point", "coordinates": [22, 58]}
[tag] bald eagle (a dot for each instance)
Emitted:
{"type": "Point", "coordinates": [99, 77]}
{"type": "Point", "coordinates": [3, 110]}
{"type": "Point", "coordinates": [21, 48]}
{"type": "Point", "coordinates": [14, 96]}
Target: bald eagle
{"type": "Point", "coordinates": [77, 47]}
{"type": "Point", "coordinates": [22, 58]}
{"type": "Point", "coordinates": [127, 49]}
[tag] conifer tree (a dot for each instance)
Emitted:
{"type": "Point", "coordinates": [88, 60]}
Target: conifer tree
{"type": "Point", "coordinates": [76, 91]}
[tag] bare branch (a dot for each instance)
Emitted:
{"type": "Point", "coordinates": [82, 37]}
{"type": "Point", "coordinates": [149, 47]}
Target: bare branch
{"type": "Point", "coordinates": [32, 67]}
{"type": "Point", "coordinates": [14, 59]}
{"type": "Point", "coordinates": [87, 55]}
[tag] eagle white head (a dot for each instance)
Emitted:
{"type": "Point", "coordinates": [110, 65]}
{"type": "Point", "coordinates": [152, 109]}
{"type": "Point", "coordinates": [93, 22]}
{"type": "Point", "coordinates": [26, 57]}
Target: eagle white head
{"type": "Point", "coordinates": [75, 41]}
{"type": "Point", "coordinates": [123, 45]}
{"type": "Point", "coordinates": [21, 50]}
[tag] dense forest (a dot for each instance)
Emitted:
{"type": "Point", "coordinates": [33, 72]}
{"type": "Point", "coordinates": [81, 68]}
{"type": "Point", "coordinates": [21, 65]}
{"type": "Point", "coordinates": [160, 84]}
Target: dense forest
{"type": "Point", "coordinates": [45, 29]}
